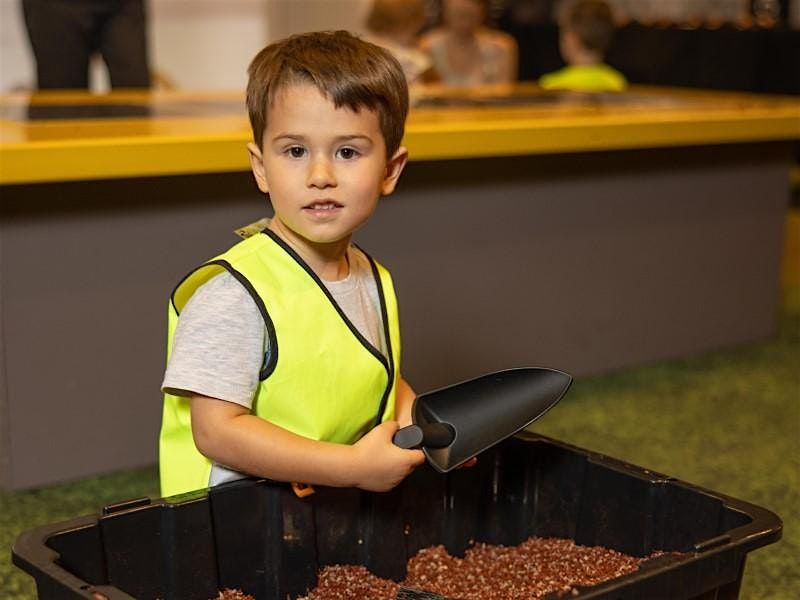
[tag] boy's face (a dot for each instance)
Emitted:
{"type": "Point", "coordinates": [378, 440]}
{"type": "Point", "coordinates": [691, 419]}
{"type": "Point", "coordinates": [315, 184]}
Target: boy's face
{"type": "Point", "coordinates": [323, 167]}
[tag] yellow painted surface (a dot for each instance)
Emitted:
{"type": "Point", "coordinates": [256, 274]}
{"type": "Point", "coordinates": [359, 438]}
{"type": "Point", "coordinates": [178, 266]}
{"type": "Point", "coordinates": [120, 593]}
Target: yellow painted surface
{"type": "Point", "coordinates": [207, 132]}
{"type": "Point", "coordinates": [795, 177]}
{"type": "Point", "coordinates": [790, 275]}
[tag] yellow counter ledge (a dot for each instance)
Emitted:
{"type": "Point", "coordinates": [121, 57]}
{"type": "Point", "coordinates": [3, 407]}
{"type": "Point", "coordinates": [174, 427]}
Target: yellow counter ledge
{"type": "Point", "coordinates": [73, 136]}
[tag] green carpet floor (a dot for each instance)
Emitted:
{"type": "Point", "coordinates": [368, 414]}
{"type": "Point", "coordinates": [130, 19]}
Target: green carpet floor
{"type": "Point", "coordinates": [727, 421]}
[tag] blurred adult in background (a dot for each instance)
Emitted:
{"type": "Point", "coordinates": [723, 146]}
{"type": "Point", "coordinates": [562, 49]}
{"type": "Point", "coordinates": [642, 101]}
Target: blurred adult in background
{"type": "Point", "coordinates": [586, 29]}
{"type": "Point", "coordinates": [465, 51]}
{"type": "Point", "coordinates": [394, 25]}
{"type": "Point", "coordinates": [65, 34]}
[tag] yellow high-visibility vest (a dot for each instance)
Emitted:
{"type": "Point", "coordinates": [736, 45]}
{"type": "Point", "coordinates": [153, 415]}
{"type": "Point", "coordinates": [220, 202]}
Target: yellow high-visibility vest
{"type": "Point", "coordinates": [323, 380]}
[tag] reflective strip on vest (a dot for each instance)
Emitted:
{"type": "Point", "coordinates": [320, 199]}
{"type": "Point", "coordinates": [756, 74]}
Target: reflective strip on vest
{"type": "Point", "coordinates": [323, 380]}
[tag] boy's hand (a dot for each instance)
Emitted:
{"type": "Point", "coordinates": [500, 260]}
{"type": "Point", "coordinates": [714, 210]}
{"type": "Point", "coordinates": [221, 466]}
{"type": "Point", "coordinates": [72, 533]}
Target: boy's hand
{"type": "Point", "coordinates": [380, 464]}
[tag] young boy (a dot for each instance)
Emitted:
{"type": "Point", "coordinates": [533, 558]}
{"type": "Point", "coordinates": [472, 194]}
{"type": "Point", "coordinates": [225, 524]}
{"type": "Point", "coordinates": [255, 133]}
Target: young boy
{"type": "Point", "coordinates": [284, 353]}
{"type": "Point", "coordinates": [586, 31]}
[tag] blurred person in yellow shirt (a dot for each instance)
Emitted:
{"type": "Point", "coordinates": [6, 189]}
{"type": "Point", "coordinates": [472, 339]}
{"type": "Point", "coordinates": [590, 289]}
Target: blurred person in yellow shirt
{"type": "Point", "coordinates": [585, 34]}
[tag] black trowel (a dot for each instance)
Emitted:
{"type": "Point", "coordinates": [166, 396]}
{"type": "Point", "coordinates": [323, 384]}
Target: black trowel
{"type": "Point", "coordinates": [455, 423]}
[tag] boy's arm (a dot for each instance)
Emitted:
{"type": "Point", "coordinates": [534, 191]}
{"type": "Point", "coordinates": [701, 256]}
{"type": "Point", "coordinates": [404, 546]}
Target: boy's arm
{"type": "Point", "coordinates": [404, 402]}
{"type": "Point", "coordinates": [228, 434]}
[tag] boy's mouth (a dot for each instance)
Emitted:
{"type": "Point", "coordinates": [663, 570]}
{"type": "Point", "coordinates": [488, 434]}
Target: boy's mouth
{"type": "Point", "coordinates": [323, 205]}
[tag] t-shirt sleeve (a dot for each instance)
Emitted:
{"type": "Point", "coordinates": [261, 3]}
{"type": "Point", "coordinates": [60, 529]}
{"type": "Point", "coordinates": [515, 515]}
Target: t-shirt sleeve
{"type": "Point", "coordinates": [219, 344]}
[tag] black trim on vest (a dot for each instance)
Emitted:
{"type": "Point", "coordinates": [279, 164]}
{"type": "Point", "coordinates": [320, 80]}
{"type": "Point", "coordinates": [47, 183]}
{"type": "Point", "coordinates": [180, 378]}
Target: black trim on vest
{"type": "Point", "coordinates": [387, 336]}
{"type": "Point", "coordinates": [387, 364]}
{"type": "Point", "coordinates": [271, 357]}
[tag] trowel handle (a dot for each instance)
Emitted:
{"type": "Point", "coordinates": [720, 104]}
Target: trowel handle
{"type": "Point", "coordinates": [430, 435]}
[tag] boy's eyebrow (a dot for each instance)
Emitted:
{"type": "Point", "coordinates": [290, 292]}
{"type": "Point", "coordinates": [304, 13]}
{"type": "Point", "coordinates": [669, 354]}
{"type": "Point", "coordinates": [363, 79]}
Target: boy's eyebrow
{"type": "Point", "coordinates": [341, 138]}
{"type": "Point", "coordinates": [355, 136]}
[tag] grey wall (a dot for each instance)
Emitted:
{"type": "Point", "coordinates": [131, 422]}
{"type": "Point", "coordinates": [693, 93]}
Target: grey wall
{"type": "Point", "coordinates": [86, 272]}
{"type": "Point", "coordinates": [586, 263]}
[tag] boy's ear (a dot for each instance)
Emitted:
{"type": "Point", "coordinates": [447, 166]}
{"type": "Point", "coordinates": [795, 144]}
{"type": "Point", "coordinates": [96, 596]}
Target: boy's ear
{"type": "Point", "coordinates": [257, 166]}
{"type": "Point", "coordinates": [394, 167]}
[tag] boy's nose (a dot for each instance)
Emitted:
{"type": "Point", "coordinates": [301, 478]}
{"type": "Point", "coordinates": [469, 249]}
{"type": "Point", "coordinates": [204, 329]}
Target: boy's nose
{"type": "Point", "coordinates": [321, 173]}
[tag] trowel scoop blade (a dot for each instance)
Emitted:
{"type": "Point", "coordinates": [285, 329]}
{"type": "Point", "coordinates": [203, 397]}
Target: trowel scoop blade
{"type": "Point", "coordinates": [488, 409]}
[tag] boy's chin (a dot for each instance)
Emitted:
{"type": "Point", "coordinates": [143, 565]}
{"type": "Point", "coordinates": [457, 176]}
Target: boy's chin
{"type": "Point", "coordinates": [319, 238]}
{"type": "Point", "coordinates": [332, 240]}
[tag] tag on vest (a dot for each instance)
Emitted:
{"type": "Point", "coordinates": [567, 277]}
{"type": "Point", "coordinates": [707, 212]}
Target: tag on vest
{"type": "Point", "coordinates": [253, 228]}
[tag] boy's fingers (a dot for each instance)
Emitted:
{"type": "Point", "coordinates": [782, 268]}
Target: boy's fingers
{"type": "Point", "coordinates": [390, 426]}
{"type": "Point", "coordinates": [419, 458]}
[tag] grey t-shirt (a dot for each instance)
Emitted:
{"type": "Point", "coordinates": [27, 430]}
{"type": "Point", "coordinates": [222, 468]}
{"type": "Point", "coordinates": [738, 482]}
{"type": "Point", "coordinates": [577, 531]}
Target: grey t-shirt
{"type": "Point", "coordinates": [220, 342]}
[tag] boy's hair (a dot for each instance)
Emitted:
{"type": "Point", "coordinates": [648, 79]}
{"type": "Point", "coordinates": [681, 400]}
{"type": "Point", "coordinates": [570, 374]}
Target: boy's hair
{"type": "Point", "coordinates": [593, 22]}
{"type": "Point", "coordinates": [344, 68]}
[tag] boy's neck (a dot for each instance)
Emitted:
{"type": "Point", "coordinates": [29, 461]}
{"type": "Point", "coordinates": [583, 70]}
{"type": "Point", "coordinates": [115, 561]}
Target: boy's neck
{"type": "Point", "coordinates": [329, 261]}
{"type": "Point", "coordinates": [330, 268]}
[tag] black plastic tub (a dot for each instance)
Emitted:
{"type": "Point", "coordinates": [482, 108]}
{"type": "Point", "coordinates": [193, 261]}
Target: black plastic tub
{"type": "Point", "coordinates": [258, 537]}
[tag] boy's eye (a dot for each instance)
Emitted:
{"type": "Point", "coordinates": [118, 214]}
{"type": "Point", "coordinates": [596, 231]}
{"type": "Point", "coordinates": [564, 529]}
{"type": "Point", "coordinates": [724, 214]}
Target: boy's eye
{"type": "Point", "coordinates": [347, 153]}
{"type": "Point", "coordinates": [296, 151]}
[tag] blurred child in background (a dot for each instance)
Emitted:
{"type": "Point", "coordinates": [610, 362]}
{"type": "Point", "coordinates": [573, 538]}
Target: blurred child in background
{"type": "Point", "coordinates": [586, 31]}
{"type": "Point", "coordinates": [394, 25]}
{"type": "Point", "coordinates": [465, 52]}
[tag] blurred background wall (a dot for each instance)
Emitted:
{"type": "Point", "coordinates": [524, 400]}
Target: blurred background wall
{"type": "Point", "coordinates": [194, 44]}
{"type": "Point", "coordinates": [207, 44]}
